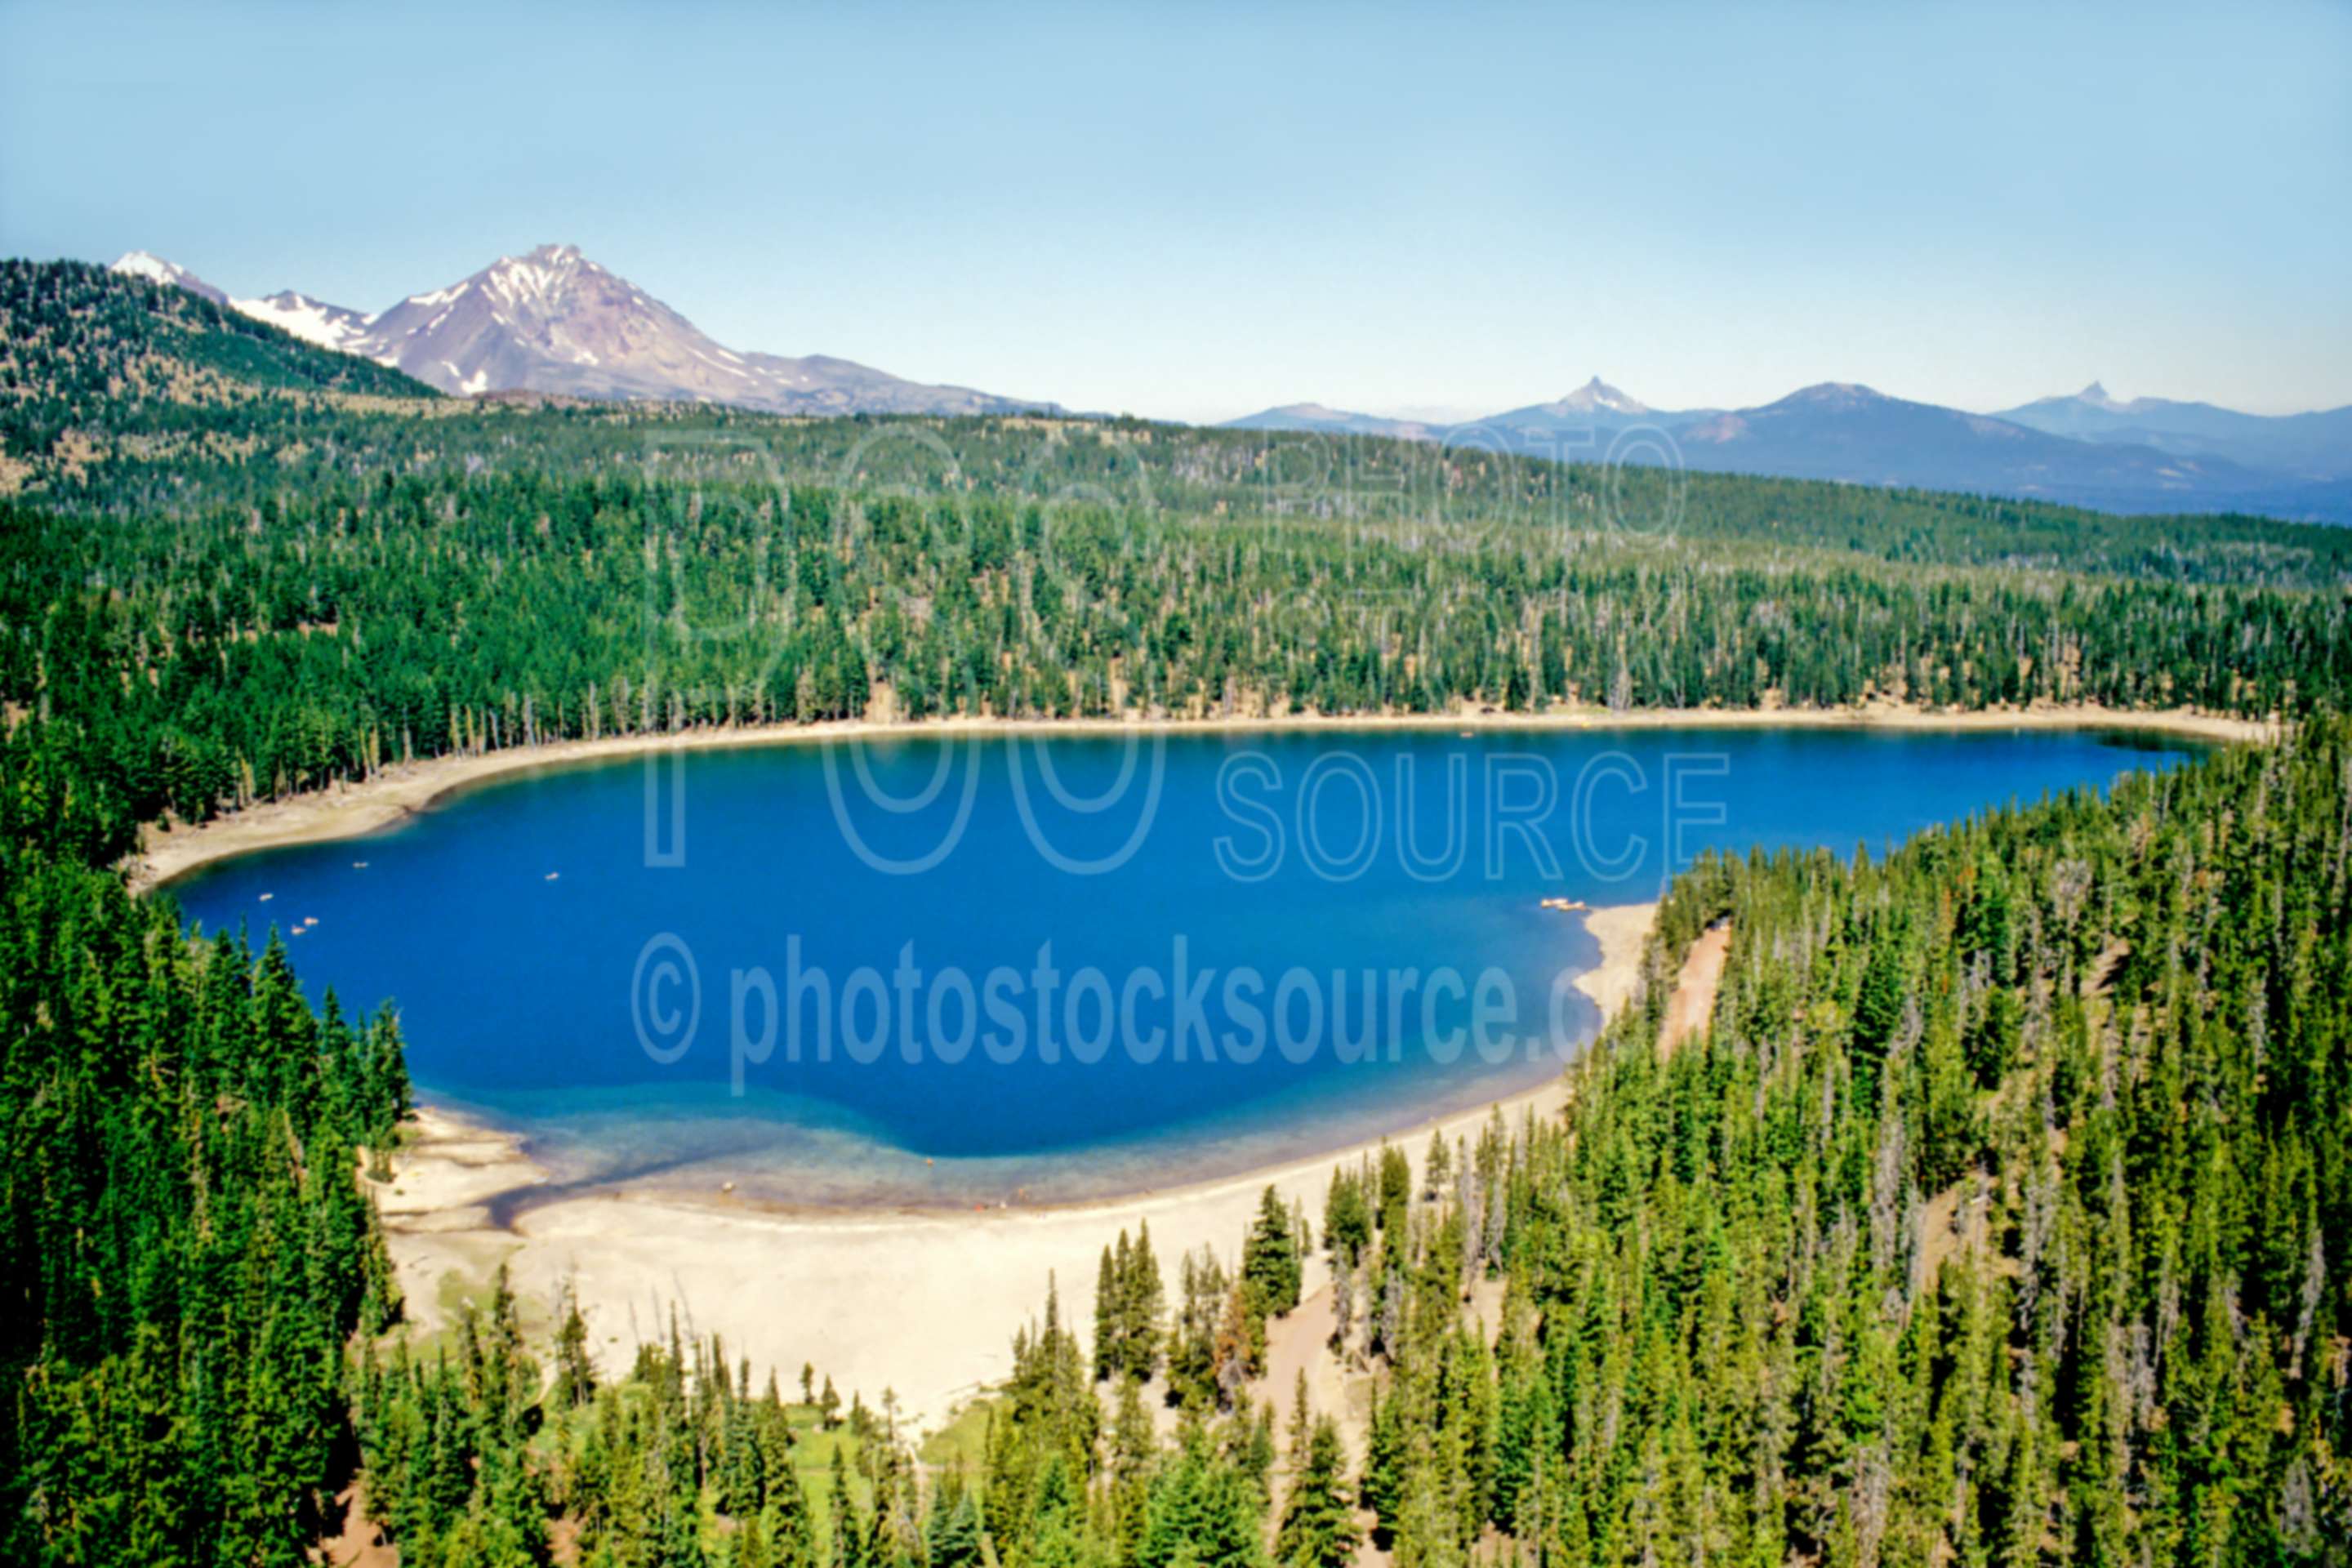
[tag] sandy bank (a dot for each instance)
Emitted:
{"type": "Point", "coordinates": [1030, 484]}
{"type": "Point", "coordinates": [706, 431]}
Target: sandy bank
{"type": "Point", "coordinates": [925, 1304]}
{"type": "Point", "coordinates": [346, 811]}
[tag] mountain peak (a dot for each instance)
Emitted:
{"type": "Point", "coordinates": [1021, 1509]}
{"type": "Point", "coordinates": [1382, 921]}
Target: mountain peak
{"type": "Point", "coordinates": [146, 264]}
{"type": "Point", "coordinates": [551, 258]}
{"type": "Point", "coordinates": [171, 274]}
{"type": "Point", "coordinates": [552, 320]}
{"type": "Point", "coordinates": [2096, 395]}
{"type": "Point", "coordinates": [1598, 394]}
{"type": "Point", "coordinates": [1847, 393]}
{"type": "Point", "coordinates": [538, 275]}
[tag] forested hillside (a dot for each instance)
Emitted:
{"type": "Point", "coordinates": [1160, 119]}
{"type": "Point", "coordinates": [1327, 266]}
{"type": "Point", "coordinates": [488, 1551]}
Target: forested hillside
{"type": "Point", "coordinates": [221, 660]}
{"type": "Point", "coordinates": [1994, 1214]}
{"type": "Point", "coordinates": [1999, 1215]}
{"type": "Point", "coordinates": [86, 354]}
{"type": "Point", "coordinates": [321, 587]}
{"type": "Point", "coordinates": [187, 1249]}
{"type": "Point", "coordinates": [1996, 1217]}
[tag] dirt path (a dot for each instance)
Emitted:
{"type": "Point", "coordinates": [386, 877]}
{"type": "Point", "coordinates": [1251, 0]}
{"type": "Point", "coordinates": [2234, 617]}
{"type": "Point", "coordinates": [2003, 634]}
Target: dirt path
{"type": "Point", "coordinates": [1301, 1342]}
{"type": "Point", "coordinates": [1692, 1006]}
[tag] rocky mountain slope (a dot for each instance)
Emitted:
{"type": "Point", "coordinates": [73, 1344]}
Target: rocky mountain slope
{"type": "Point", "coordinates": [554, 321]}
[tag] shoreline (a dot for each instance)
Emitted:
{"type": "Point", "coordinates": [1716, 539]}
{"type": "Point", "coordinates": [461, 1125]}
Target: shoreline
{"type": "Point", "coordinates": [167, 855]}
{"type": "Point", "coordinates": [923, 1301]}
{"type": "Point", "coordinates": [1620, 930]}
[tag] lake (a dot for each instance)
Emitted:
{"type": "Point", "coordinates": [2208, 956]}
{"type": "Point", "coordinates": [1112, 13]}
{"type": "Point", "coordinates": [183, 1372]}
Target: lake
{"type": "Point", "coordinates": [954, 970]}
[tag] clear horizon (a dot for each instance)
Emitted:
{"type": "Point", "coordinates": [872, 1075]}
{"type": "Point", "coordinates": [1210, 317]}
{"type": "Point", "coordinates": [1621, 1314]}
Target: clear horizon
{"type": "Point", "coordinates": [1198, 219]}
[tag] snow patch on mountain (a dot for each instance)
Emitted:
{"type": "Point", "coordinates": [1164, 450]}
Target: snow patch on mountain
{"type": "Point", "coordinates": [155, 269]}
{"type": "Point", "coordinates": [312, 321]}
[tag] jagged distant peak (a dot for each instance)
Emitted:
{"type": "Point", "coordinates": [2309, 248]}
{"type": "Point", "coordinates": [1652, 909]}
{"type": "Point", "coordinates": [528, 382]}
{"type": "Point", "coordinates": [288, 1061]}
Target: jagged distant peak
{"type": "Point", "coordinates": [539, 278]}
{"type": "Point", "coordinates": [539, 271]}
{"type": "Point", "coordinates": [2096, 395]}
{"type": "Point", "coordinates": [1597, 395]}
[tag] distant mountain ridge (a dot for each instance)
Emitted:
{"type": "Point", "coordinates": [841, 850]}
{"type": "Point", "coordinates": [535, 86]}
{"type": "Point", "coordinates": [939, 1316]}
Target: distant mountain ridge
{"type": "Point", "coordinates": [1581, 424]}
{"type": "Point", "coordinates": [2149, 455]}
{"type": "Point", "coordinates": [1315, 416]}
{"type": "Point", "coordinates": [1838, 431]}
{"type": "Point", "coordinates": [552, 321]}
{"type": "Point", "coordinates": [1595, 397]}
{"type": "Point", "coordinates": [2317, 445]}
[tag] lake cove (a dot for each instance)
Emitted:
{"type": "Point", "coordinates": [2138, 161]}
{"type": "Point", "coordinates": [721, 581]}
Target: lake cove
{"type": "Point", "coordinates": [941, 971]}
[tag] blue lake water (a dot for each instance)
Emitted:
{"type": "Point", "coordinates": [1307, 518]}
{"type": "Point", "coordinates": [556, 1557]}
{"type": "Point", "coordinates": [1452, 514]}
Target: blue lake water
{"type": "Point", "coordinates": [948, 970]}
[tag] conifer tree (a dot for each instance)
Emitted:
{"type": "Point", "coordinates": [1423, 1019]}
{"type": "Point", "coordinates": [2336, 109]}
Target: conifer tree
{"type": "Point", "coordinates": [1318, 1528]}
{"type": "Point", "coordinates": [1270, 1259]}
{"type": "Point", "coordinates": [1143, 1302]}
{"type": "Point", "coordinates": [1111, 1277]}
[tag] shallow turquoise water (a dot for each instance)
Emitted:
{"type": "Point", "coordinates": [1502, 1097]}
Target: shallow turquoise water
{"type": "Point", "coordinates": [590, 953]}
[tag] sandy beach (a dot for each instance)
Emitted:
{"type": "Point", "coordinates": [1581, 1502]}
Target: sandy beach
{"type": "Point", "coordinates": [350, 810]}
{"type": "Point", "coordinates": [923, 1304]}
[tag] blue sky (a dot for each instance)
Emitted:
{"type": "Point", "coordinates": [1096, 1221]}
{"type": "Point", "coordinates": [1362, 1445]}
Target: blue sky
{"type": "Point", "coordinates": [1197, 211]}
